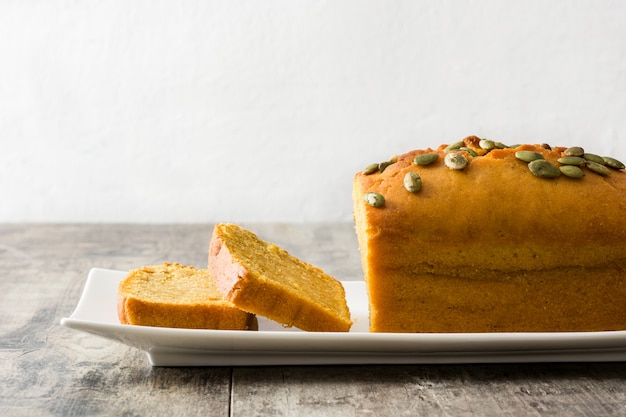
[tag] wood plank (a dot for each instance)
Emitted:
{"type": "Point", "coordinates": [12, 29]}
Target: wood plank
{"type": "Point", "coordinates": [448, 390]}
{"type": "Point", "coordinates": [46, 369]}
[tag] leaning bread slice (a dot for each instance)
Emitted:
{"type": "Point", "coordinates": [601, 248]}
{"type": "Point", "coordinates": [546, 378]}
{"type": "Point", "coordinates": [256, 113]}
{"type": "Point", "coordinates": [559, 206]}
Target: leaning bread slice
{"type": "Point", "coordinates": [264, 279]}
{"type": "Point", "coordinates": [174, 295]}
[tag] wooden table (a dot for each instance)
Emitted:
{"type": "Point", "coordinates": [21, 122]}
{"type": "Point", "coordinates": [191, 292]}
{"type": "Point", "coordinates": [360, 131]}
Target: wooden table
{"type": "Point", "coordinates": [49, 370]}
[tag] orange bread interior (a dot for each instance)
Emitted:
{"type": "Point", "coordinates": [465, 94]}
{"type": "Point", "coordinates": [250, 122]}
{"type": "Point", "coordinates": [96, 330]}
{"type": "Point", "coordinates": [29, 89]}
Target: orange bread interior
{"type": "Point", "coordinates": [261, 278]}
{"type": "Point", "coordinates": [174, 295]}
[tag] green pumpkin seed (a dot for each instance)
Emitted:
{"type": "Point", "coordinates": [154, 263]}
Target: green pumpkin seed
{"type": "Point", "coordinates": [454, 146]}
{"type": "Point", "coordinates": [598, 168]}
{"type": "Point", "coordinates": [572, 171]}
{"type": "Point", "coordinates": [383, 165]}
{"type": "Point", "coordinates": [412, 182]}
{"type": "Point", "coordinates": [543, 169]}
{"type": "Point", "coordinates": [500, 145]}
{"type": "Point", "coordinates": [594, 158]}
{"type": "Point", "coordinates": [470, 151]}
{"type": "Point", "coordinates": [572, 160]}
{"type": "Point", "coordinates": [574, 151]}
{"type": "Point", "coordinates": [374, 199]}
{"type": "Point", "coordinates": [613, 163]}
{"type": "Point", "coordinates": [487, 144]}
{"type": "Point", "coordinates": [456, 161]}
{"type": "Point", "coordinates": [528, 156]}
{"type": "Point", "coordinates": [425, 159]}
{"type": "Point", "coordinates": [370, 169]}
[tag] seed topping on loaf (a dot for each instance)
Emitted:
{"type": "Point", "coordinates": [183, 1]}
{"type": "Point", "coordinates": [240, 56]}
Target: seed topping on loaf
{"type": "Point", "coordinates": [572, 162]}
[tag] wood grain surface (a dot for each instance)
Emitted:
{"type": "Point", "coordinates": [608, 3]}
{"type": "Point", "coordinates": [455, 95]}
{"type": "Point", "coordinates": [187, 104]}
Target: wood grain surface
{"type": "Point", "coordinates": [48, 370]}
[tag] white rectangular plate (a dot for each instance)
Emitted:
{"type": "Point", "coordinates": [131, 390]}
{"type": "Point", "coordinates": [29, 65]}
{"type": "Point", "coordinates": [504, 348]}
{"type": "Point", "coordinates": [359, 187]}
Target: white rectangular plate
{"type": "Point", "coordinates": [96, 313]}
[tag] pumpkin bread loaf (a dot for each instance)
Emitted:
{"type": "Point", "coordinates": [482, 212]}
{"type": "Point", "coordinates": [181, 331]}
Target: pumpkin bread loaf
{"type": "Point", "coordinates": [261, 278]}
{"type": "Point", "coordinates": [480, 237]}
{"type": "Point", "coordinates": [173, 295]}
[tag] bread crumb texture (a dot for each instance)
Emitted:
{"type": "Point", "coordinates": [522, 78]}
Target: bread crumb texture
{"type": "Point", "coordinates": [174, 295]}
{"type": "Point", "coordinates": [262, 278]}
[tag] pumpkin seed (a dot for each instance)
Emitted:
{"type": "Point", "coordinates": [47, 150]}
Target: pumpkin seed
{"type": "Point", "coordinates": [454, 146]}
{"type": "Point", "coordinates": [594, 158]}
{"type": "Point", "coordinates": [613, 163]}
{"type": "Point", "coordinates": [572, 171]}
{"type": "Point", "coordinates": [572, 160]}
{"type": "Point", "coordinates": [500, 145]}
{"type": "Point", "coordinates": [383, 165]}
{"type": "Point", "coordinates": [412, 182]}
{"type": "Point", "coordinates": [425, 159]}
{"type": "Point", "coordinates": [574, 151]}
{"type": "Point", "coordinates": [598, 168]}
{"type": "Point", "coordinates": [487, 144]}
{"type": "Point", "coordinates": [370, 169]}
{"type": "Point", "coordinates": [528, 156]}
{"type": "Point", "coordinates": [374, 199]}
{"type": "Point", "coordinates": [543, 169]}
{"type": "Point", "coordinates": [470, 151]}
{"type": "Point", "coordinates": [456, 161]}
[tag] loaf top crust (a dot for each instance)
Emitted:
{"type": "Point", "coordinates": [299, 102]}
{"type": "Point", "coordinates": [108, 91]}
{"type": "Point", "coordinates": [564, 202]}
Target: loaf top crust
{"type": "Point", "coordinates": [495, 201]}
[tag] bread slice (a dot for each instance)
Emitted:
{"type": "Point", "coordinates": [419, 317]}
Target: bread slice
{"type": "Point", "coordinates": [174, 295]}
{"type": "Point", "coordinates": [264, 279]}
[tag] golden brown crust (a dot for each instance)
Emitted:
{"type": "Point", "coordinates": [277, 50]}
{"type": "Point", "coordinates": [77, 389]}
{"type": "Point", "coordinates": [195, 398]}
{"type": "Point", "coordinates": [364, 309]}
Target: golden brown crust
{"type": "Point", "coordinates": [486, 248]}
{"type": "Point", "coordinates": [174, 295]}
{"type": "Point", "coordinates": [264, 279]}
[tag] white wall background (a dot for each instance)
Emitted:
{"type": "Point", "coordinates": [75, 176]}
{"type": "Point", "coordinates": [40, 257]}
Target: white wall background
{"type": "Point", "coordinates": [186, 111]}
